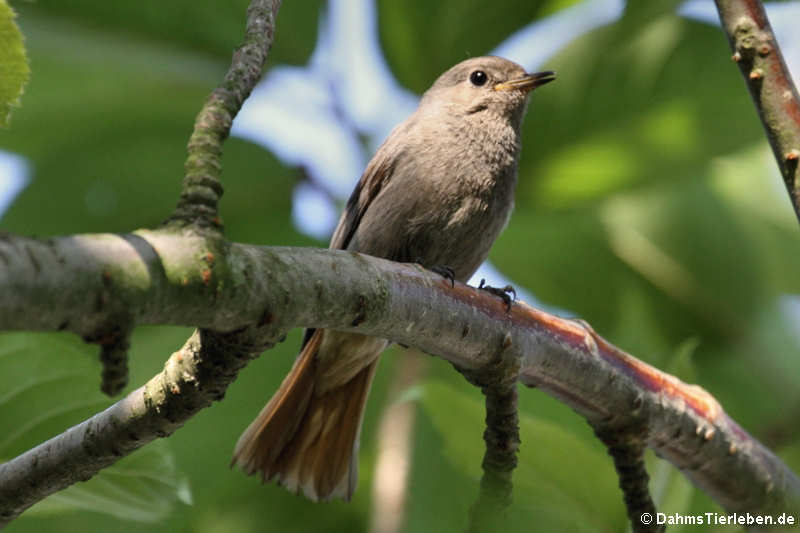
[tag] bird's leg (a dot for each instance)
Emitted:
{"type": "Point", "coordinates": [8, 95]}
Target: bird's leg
{"type": "Point", "coordinates": [502, 292]}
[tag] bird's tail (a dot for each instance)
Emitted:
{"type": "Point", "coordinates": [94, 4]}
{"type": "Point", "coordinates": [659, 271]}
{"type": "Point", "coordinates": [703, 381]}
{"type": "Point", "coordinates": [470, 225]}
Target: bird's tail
{"type": "Point", "coordinates": [304, 440]}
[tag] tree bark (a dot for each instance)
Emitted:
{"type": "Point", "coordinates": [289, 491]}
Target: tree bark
{"type": "Point", "coordinates": [774, 94]}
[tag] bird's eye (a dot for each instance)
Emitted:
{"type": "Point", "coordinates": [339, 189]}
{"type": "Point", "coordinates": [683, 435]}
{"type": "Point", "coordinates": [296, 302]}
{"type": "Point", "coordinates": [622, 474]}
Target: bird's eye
{"type": "Point", "coordinates": [478, 78]}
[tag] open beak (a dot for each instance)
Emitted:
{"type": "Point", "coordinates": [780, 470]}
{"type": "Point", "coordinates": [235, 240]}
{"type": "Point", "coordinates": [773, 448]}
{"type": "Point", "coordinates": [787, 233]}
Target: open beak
{"type": "Point", "coordinates": [528, 82]}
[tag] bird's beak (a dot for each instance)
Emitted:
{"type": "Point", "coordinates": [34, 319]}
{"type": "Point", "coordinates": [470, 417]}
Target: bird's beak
{"type": "Point", "coordinates": [528, 82]}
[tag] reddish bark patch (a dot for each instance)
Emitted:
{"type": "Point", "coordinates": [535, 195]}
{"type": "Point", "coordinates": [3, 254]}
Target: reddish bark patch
{"type": "Point", "coordinates": [756, 12]}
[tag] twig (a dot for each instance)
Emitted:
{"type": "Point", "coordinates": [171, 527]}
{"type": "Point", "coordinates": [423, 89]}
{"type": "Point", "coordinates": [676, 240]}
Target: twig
{"type": "Point", "coordinates": [201, 185]}
{"type": "Point", "coordinates": [626, 447]}
{"type": "Point", "coordinates": [774, 94]}
{"type": "Point", "coordinates": [499, 461]}
{"type": "Point", "coordinates": [113, 337]}
{"type": "Point", "coordinates": [498, 382]}
{"type": "Point", "coordinates": [114, 358]}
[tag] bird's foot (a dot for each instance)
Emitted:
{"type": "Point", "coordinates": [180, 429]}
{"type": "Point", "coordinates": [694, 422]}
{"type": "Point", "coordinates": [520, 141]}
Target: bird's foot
{"type": "Point", "coordinates": [445, 271]}
{"type": "Point", "coordinates": [503, 292]}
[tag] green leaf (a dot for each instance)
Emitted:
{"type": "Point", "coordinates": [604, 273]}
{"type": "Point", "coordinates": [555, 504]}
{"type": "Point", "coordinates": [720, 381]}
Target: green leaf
{"type": "Point", "coordinates": [89, 171]}
{"type": "Point", "coordinates": [143, 487]}
{"type": "Point", "coordinates": [14, 68]}
{"type": "Point", "coordinates": [630, 107]}
{"type": "Point", "coordinates": [791, 454]}
{"type": "Point", "coordinates": [561, 482]}
{"type": "Point", "coordinates": [211, 27]}
{"type": "Point", "coordinates": [638, 11]}
{"type": "Point", "coordinates": [422, 39]}
{"type": "Point", "coordinates": [682, 364]}
{"type": "Point", "coordinates": [49, 384]}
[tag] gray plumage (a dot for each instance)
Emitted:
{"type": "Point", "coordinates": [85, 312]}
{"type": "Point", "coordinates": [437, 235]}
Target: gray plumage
{"type": "Point", "coordinates": [438, 191]}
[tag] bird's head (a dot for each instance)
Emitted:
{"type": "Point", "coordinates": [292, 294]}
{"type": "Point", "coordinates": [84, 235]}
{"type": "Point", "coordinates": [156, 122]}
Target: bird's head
{"type": "Point", "coordinates": [485, 84]}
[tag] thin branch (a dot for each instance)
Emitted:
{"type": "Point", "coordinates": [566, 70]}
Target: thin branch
{"type": "Point", "coordinates": [626, 447]}
{"type": "Point", "coordinates": [756, 51]}
{"type": "Point", "coordinates": [201, 185]}
{"type": "Point", "coordinates": [158, 277]}
{"type": "Point", "coordinates": [498, 382]}
{"type": "Point", "coordinates": [499, 461]}
{"type": "Point", "coordinates": [193, 377]}
{"type": "Point", "coordinates": [114, 358]}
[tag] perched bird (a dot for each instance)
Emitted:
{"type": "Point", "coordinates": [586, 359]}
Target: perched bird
{"type": "Point", "coordinates": [437, 192]}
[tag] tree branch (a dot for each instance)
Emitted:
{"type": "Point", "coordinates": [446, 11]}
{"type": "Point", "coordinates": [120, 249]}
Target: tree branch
{"type": "Point", "coordinates": [774, 94]}
{"type": "Point", "coordinates": [259, 293]}
{"type": "Point", "coordinates": [201, 185]}
{"type": "Point", "coordinates": [498, 382]}
{"type": "Point", "coordinates": [499, 461]}
{"type": "Point", "coordinates": [626, 447]}
{"type": "Point", "coordinates": [193, 377]}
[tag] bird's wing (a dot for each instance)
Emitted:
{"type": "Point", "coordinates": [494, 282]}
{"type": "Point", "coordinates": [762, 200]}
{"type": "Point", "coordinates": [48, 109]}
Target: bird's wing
{"type": "Point", "coordinates": [375, 177]}
{"type": "Point", "coordinates": [372, 181]}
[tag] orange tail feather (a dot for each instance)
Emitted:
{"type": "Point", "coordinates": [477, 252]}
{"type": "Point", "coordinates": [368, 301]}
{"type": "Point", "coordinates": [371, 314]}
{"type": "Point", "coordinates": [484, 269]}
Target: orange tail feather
{"type": "Point", "coordinates": [305, 441]}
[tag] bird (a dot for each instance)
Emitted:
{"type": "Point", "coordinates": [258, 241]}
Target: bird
{"type": "Point", "coordinates": [437, 192]}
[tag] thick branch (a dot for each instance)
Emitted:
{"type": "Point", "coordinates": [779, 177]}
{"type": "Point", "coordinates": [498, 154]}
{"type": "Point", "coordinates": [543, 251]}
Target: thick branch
{"type": "Point", "coordinates": [162, 278]}
{"type": "Point", "coordinates": [774, 94]}
{"type": "Point", "coordinates": [201, 185]}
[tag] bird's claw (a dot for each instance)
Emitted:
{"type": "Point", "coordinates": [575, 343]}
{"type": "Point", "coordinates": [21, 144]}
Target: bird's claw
{"type": "Point", "coordinates": [446, 272]}
{"type": "Point", "coordinates": [502, 292]}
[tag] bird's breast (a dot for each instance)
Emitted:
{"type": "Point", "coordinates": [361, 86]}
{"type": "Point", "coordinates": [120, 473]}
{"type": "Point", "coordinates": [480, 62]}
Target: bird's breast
{"type": "Point", "coordinates": [449, 197]}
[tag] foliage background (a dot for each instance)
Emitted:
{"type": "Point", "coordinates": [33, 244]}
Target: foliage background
{"type": "Point", "coordinates": [647, 205]}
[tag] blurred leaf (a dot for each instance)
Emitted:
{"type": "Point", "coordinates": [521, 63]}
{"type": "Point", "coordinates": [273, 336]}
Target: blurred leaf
{"type": "Point", "coordinates": [216, 27]}
{"type": "Point", "coordinates": [637, 11]}
{"type": "Point", "coordinates": [14, 68]}
{"type": "Point", "coordinates": [791, 455]}
{"type": "Point", "coordinates": [658, 233]}
{"type": "Point", "coordinates": [49, 385]}
{"type": "Point", "coordinates": [749, 181]}
{"type": "Point", "coordinates": [610, 163]}
{"type": "Point", "coordinates": [649, 339]}
{"type": "Point", "coordinates": [143, 487]}
{"type": "Point", "coordinates": [755, 378]}
{"type": "Point", "coordinates": [633, 104]}
{"type": "Point", "coordinates": [115, 163]}
{"type": "Point", "coordinates": [422, 39]}
{"type": "Point", "coordinates": [682, 365]}
{"type": "Point", "coordinates": [551, 487]}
